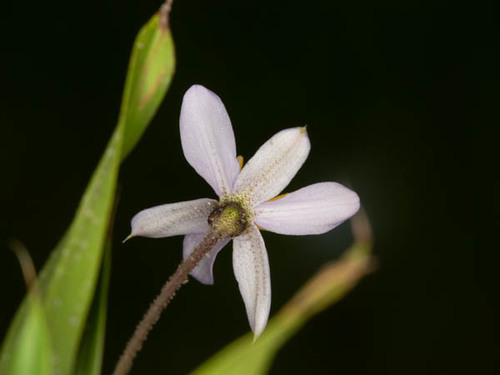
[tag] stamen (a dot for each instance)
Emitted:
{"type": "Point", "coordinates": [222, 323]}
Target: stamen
{"type": "Point", "coordinates": [277, 197]}
{"type": "Point", "coordinates": [240, 160]}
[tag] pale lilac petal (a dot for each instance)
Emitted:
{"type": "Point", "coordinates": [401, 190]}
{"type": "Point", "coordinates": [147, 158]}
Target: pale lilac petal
{"type": "Point", "coordinates": [274, 165]}
{"type": "Point", "coordinates": [173, 219]}
{"type": "Point", "coordinates": [251, 268]}
{"type": "Point", "coordinates": [208, 140]}
{"type": "Point", "coordinates": [314, 209]}
{"type": "Point", "coordinates": [203, 272]}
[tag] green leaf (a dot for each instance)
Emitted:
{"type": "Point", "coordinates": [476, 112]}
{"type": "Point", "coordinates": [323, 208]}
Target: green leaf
{"type": "Point", "coordinates": [89, 360]}
{"type": "Point", "coordinates": [328, 286]}
{"type": "Point", "coordinates": [149, 75]}
{"type": "Point", "coordinates": [34, 350]}
{"type": "Point", "coordinates": [68, 280]}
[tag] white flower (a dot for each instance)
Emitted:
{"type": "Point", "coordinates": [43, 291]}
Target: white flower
{"type": "Point", "coordinates": [209, 146]}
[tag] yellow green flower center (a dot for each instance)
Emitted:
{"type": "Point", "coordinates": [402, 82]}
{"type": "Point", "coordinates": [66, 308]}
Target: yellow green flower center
{"type": "Point", "coordinates": [228, 218]}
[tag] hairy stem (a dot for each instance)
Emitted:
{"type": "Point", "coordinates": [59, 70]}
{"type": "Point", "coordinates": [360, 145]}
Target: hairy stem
{"type": "Point", "coordinates": [168, 291]}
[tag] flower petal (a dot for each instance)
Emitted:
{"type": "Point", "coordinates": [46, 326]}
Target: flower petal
{"type": "Point", "coordinates": [203, 272]}
{"type": "Point", "coordinates": [314, 209]}
{"type": "Point", "coordinates": [173, 219]}
{"type": "Point", "coordinates": [208, 140]}
{"type": "Point", "coordinates": [274, 165]}
{"type": "Point", "coordinates": [251, 268]}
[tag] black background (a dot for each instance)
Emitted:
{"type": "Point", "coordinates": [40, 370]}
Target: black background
{"type": "Point", "coordinates": [401, 103]}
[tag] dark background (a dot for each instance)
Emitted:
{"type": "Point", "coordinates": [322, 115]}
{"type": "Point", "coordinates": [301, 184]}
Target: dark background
{"type": "Point", "coordinates": [400, 103]}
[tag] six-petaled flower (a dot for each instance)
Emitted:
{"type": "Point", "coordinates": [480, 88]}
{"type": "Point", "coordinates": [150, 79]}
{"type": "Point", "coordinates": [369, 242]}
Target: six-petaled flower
{"type": "Point", "coordinates": [251, 192]}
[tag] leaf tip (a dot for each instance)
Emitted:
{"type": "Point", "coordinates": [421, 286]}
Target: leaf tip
{"type": "Point", "coordinates": [25, 261]}
{"type": "Point", "coordinates": [165, 15]}
{"type": "Point", "coordinates": [361, 227]}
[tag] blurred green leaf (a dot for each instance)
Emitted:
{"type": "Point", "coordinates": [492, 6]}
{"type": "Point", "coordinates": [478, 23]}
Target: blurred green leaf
{"type": "Point", "coordinates": [34, 345]}
{"type": "Point", "coordinates": [68, 280]}
{"type": "Point", "coordinates": [150, 72]}
{"type": "Point", "coordinates": [89, 360]}
{"type": "Point", "coordinates": [34, 350]}
{"type": "Point", "coordinates": [328, 286]}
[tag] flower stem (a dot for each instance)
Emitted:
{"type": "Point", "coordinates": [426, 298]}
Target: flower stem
{"type": "Point", "coordinates": [180, 276]}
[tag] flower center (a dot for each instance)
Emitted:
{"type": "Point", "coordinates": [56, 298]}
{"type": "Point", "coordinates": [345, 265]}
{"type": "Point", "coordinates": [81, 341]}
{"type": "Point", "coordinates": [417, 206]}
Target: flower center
{"type": "Point", "coordinates": [229, 218]}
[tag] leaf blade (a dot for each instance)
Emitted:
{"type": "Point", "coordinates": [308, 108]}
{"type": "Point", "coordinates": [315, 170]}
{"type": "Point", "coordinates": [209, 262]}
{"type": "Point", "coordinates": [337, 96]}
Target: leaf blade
{"type": "Point", "coordinates": [33, 340]}
{"type": "Point", "coordinates": [89, 361]}
{"type": "Point", "coordinates": [328, 286]}
{"type": "Point", "coordinates": [150, 73]}
{"type": "Point", "coordinates": [68, 280]}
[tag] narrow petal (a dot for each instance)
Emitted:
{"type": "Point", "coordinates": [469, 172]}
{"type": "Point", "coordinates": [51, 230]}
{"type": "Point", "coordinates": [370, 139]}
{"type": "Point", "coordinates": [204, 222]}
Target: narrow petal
{"type": "Point", "coordinates": [173, 219]}
{"type": "Point", "coordinates": [203, 272]}
{"type": "Point", "coordinates": [314, 209]}
{"type": "Point", "coordinates": [251, 268]}
{"type": "Point", "coordinates": [274, 165]}
{"type": "Point", "coordinates": [208, 140]}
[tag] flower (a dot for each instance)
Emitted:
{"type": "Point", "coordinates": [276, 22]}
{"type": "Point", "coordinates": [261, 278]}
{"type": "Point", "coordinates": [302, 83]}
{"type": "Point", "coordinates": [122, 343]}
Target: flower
{"type": "Point", "coordinates": [250, 191]}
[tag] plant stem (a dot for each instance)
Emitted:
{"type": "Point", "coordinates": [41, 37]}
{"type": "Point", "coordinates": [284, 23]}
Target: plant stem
{"type": "Point", "coordinates": [180, 276]}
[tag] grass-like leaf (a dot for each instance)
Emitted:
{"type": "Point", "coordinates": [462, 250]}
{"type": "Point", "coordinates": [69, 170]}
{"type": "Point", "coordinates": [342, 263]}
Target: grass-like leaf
{"type": "Point", "coordinates": [68, 281]}
{"type": "Point", "coordinates": [328, 286]}
{"type": "Point", "coordinates": [89, 360]}
{"type": "Point", "coordinates": [34, 349]}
